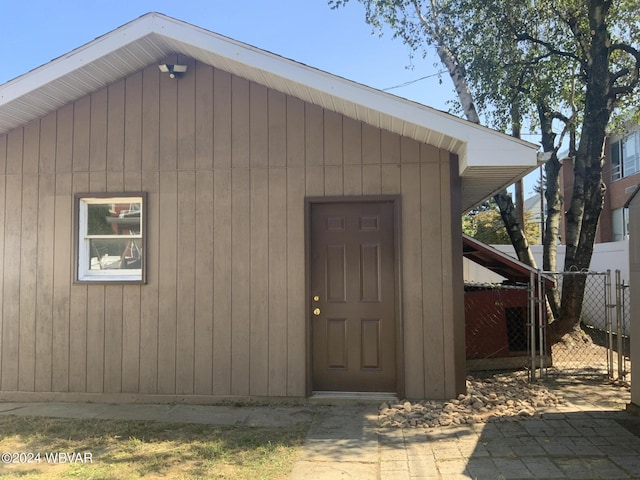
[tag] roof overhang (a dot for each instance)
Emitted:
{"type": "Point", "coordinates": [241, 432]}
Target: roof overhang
{"type": "Point", "coordinates": [488, 160]}
{"type": "Point", "coordinates": [498, 262]}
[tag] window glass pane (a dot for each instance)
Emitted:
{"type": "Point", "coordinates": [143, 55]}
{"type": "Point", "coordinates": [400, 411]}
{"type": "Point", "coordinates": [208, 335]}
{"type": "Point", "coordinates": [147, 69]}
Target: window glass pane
{"type": "Point", "coordinates": [616, 164]}
{"type": "Point", "coordinates": [625, 222]}
{"type": "Point", "coordinates": [617, 220]}
{"type": "Point", "coordinates": [113, 218]}
{"type": "Point", "coordinates": [630, 155]}
{"type": "Point", "coordinates": [115, 253]}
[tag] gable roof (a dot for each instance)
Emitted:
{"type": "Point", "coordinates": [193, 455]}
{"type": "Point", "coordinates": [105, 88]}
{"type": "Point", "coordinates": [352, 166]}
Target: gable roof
{"type": "Point", "coordinates": [488, 160]}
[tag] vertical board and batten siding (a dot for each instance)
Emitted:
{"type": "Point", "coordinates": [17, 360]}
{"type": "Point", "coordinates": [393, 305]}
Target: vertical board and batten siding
{"type": "Point", "coordinates": [227, 164]}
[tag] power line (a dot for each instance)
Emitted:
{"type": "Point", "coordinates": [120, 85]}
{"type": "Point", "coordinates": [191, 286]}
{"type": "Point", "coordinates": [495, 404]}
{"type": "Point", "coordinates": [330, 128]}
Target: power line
{"type": "Point", "coordinates": [410, 82]}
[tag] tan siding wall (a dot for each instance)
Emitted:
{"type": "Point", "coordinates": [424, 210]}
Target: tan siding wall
{"type": "Point", "coordinates": [224, 310]}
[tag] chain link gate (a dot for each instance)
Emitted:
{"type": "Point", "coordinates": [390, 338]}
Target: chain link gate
{"type": "Point", "coordinates": [620, 331]}
{"type": "Point", "coordinates": [601, 346]}
{"type": "Point", "coordinates": [585, 352]}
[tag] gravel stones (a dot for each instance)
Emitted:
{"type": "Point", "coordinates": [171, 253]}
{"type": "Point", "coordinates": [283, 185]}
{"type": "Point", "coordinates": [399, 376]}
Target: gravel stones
{"type": "Point", "coordinates": [499, 398]}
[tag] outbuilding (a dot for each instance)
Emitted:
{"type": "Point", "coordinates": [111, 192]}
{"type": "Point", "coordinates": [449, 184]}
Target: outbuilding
{"type": "Point", "coordinates": [633, 204]}
{"type": "Point", "coordinates": [190, 218]}
{"type": "Point", "coordinates": [498, 315]}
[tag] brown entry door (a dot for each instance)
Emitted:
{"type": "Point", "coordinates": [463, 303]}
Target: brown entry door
{"type": "Point", "coordinates": [353, 297]}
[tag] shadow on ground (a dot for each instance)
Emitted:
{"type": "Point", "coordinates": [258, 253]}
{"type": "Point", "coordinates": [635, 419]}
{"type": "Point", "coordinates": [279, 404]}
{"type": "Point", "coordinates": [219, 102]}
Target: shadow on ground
{"type": "Point", "coordinates": [586, 444]}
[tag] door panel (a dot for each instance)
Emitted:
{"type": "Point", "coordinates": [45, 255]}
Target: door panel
{"type": "Point", "coordinates": [370, 273]}
{"type": "Point", "coordinates": [370, 342]}
{"type": "Point", "coordinates": [337, 343]}
{"type": "Point", "coordinates": [353, 294]}
{"type": "Point", "coordinates": [336, 272]}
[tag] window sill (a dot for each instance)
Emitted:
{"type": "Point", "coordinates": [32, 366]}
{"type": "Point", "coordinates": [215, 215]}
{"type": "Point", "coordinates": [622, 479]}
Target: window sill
{"type": "Point", "coordinates": [110, 280]}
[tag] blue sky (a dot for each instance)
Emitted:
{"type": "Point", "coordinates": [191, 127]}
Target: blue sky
{"type": "Point", "coordinates": [307, 31]}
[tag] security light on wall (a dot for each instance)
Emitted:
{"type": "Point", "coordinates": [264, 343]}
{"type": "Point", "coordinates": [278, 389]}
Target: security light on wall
{"type": "Point", "coordinates": [174, 71]}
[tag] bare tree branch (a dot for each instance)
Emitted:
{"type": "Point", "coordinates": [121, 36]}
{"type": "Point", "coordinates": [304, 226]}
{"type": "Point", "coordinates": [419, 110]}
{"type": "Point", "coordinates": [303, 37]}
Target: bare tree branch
{"type": "Point", "coordinates": [525, 37]}
{"type": "Point", "coordinates": [634, 73]}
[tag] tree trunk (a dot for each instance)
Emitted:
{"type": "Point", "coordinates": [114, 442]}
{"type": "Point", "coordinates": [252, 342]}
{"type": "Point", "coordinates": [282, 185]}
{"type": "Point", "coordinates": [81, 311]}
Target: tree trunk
{"type": "Point", "coordinates": [519, 190]}
{"type": "Point", "coordinates": [513, 217]}
{"type": "Point", "coordinates": [450, 60]}
{"type": "Point", "coordinates": [588, 191]}
{"type": "Point", "coordinates": [516, 123]}
{"type": "Point", "coordinates": [554, 201]}
{"type": "Point", "coordinates": [510, 219]}
{"type": "Point", "coordinates": [456, 72]}
{"type": "Point", "coordinates": [552, 227]}
{"type": "Point", "coordinates": [584, 215]}
{"type": "Point", "coordinates": [458, 77]}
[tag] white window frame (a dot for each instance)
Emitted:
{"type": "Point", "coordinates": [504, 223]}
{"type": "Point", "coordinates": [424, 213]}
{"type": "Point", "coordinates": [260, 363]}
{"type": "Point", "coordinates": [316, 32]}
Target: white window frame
{"type": "Point", "coordinates": [84, 273]}
{"type": "Point", "coordinates": [631, 154]}
{"type": "Point", "coordinates": [616, 154]}
{"type": "Point", "coordinates": [628, 156]}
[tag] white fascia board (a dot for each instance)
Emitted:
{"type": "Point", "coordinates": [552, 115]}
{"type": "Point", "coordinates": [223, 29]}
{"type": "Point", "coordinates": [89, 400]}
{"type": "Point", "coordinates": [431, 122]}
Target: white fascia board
{"type": "Point", "coordinates": [75, 59]}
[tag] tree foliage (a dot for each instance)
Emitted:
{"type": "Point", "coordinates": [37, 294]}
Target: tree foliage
{"type": "Point", "coordinates": [487, 226]}
{"type": "Point", "coordinates": [97, 220]}
{"type": "Point", "coordinates": [427, 23]}
{"type": "Point", "coordinates": [565, 68]}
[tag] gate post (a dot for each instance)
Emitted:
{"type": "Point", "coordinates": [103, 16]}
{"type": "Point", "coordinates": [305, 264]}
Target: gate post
{"type": "Point", "coordinates": [609, 326]}
{"type": "Point", "coordinates": [541, 300]}
{"type": "Point", "coordinates": [532, 327]}
{"type": "Point", "coordinates": [619, 323]}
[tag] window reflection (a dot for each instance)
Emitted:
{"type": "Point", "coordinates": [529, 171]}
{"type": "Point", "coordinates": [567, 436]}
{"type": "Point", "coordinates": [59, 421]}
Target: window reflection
{"type": "Point", "coordinates": [106, 254]}
{"type": "Point", "coordinates": [114, 220]}
{"type": "Point", "coordinates": [111, 238]}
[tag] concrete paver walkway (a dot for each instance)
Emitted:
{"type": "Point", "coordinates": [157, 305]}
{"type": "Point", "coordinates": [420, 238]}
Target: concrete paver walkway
{"type": "Point", "coordinates": [578, 445]}
{"type": "Point", "coordinates": [589, 437]}
{"type": "Point", "coordinates": [343, 444]}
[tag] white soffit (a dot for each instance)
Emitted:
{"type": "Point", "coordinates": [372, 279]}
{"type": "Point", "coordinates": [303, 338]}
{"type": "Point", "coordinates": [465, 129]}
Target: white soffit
{"type": "Point", "coordinates": [482, 152]}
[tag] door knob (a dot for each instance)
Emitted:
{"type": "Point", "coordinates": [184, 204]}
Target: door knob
{"type": "Point", "coordinates": [316, 311]}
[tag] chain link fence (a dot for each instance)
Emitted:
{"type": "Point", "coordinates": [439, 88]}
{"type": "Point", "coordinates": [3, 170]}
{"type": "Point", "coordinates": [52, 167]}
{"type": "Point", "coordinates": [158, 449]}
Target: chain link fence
{"type": "Point", "coordinates": [585, 352]}
{"type": "Point", "coordinates": [502, 319]}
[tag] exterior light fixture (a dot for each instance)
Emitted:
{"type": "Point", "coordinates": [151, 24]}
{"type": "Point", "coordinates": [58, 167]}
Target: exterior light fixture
{"type": "Point", "coordinates": [174, 71]}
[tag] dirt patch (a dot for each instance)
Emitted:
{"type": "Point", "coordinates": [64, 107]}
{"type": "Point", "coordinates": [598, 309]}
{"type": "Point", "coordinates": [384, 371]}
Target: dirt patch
{"type": "Point", "coordinates": [584, 353]}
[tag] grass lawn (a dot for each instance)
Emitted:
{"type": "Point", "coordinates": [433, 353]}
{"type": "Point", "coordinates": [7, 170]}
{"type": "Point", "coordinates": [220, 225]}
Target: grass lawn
{"type": "Point", "coordinates": [136, 449]}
